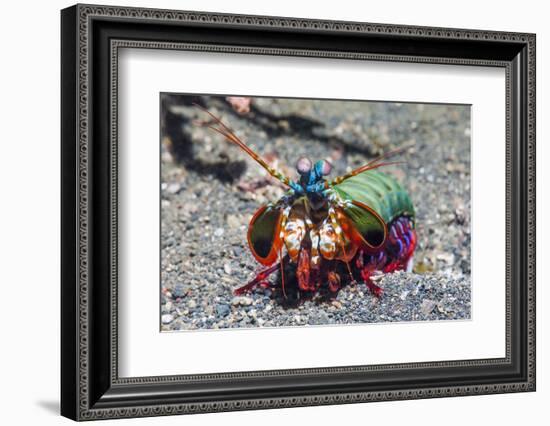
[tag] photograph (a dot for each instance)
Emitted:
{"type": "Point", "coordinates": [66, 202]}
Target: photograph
{"type": "Point", "coordinates": [290, 212]}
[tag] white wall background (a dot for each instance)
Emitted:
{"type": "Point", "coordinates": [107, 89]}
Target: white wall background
{"type": "Point", "coordinates": [29, 225]}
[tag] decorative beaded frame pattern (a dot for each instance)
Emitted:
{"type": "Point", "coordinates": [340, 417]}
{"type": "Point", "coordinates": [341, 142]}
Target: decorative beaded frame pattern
{"type": "Point", "coordinates": [85, 14]}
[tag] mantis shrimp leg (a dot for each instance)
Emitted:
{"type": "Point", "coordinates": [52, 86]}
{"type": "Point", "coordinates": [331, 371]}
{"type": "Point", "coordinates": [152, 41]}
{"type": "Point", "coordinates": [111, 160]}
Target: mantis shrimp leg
{"type": "Point", "coordinates": [396, 256]}
{"type": "Point", "coordinates": [259, 280]}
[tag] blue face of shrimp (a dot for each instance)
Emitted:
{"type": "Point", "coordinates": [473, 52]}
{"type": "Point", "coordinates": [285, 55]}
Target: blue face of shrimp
{"type": "Point", "coordinates": [312, 180]}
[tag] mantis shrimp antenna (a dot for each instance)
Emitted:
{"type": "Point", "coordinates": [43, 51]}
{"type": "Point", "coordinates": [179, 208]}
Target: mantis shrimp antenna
{"type": "Point", "coordinates": [371, 165]}
{"type": "Point", "coordinates": [225, 131]}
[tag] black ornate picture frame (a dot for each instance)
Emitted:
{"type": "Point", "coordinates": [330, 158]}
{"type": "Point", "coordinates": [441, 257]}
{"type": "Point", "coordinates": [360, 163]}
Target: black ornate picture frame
{"type": "Point", "coordinates": [91, 387]}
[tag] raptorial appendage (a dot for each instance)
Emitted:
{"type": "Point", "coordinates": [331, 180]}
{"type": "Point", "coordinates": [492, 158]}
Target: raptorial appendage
{"type": "Point", "coordinates": [326, 275]}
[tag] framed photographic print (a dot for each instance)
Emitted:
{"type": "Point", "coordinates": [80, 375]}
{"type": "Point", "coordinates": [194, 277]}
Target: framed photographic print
{"type": "Point", "coordinates": [263, 212]}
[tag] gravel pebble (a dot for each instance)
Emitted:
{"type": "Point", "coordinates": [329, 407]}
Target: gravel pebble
{"type": "Point", "coordinates": [222, 310]}
{"type": "Point", "coordinates": [167, 318]}
{"type": "Point", "coordinates": [427, 306]}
